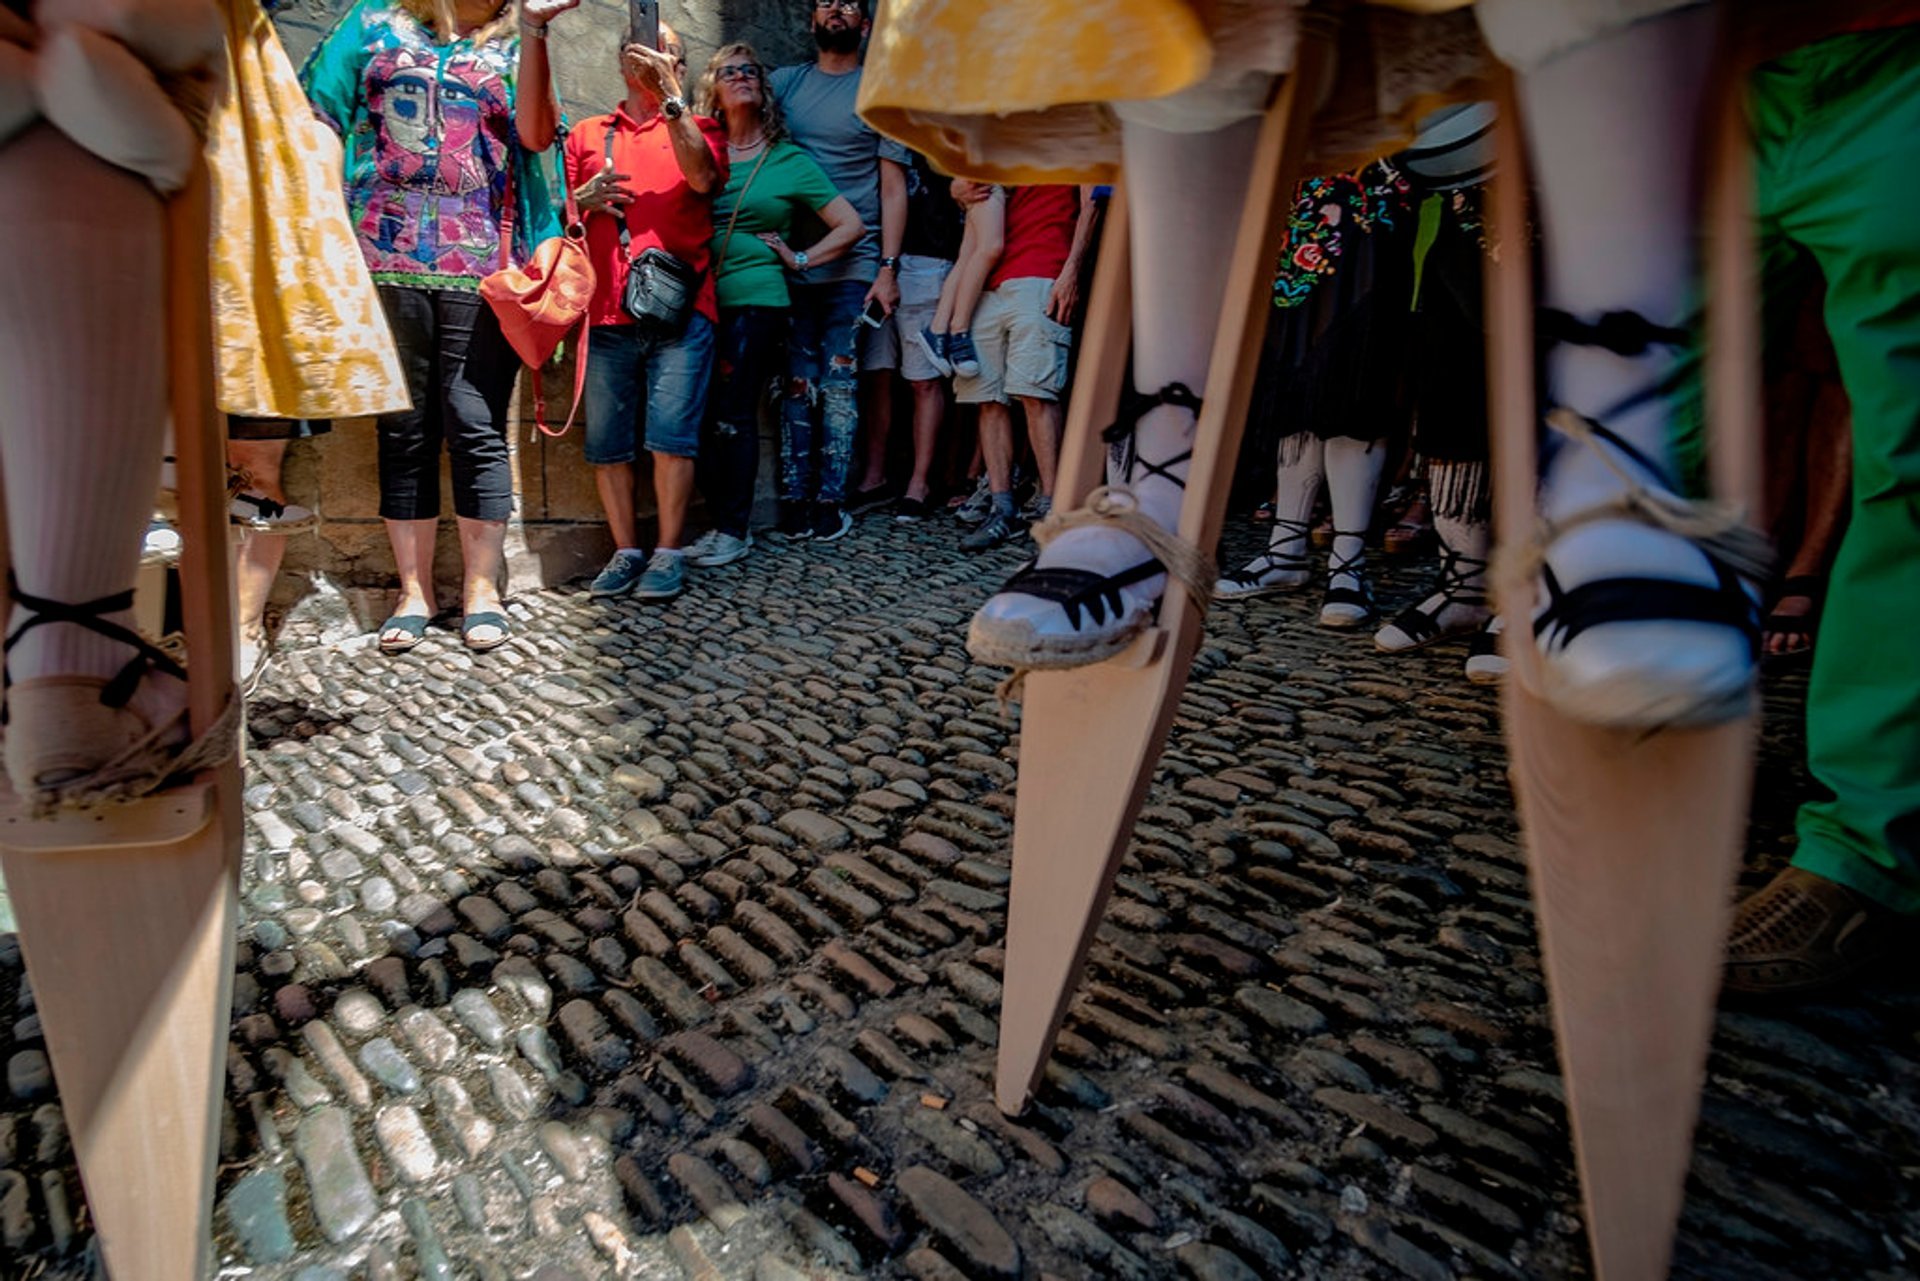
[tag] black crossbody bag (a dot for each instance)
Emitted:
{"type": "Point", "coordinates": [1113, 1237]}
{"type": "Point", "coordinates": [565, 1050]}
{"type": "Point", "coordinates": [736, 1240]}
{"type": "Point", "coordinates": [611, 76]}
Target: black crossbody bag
{"type": "Point", "coordinates": [661, 289]}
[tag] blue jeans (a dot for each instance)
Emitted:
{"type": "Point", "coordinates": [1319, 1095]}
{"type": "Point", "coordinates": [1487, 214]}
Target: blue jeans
{"type": "Point", "coordinates": [630, 371]}
{"type": "Point", "coordinates": [822, 376]}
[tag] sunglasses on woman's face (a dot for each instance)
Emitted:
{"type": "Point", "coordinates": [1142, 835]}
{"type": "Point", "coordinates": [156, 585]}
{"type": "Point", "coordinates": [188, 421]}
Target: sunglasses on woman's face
{"type": "Point", "coordinates": [741, 71]}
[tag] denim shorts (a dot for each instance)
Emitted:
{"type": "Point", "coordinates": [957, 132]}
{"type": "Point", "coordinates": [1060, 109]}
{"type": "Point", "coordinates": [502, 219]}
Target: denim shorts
{"type": "Point", "coordinates": [634, 377]}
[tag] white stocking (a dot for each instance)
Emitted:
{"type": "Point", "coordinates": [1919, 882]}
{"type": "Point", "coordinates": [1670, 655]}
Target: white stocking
{"type": "Point", "coordinates": [1459, 500]}
{"type": "Point", "coordinates": [82, 417]}
{"type": "Point", "coordinates": [1302, 471]}
{"type": "Point", "coordinates": [1613, 127]}
{"type": "Point", "coordinates": [1353, 483]}
{"type": "Point", "coordinates": [1185, 192]}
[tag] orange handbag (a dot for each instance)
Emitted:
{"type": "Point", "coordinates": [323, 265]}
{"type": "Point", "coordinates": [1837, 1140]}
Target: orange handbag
{"type": "Point", "coordinates": [541, 303]}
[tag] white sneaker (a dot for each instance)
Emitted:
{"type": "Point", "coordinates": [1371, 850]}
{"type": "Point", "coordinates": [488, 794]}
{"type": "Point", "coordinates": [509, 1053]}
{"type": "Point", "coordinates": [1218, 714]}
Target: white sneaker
{"type": "Point", "coordinates": [715, 548]}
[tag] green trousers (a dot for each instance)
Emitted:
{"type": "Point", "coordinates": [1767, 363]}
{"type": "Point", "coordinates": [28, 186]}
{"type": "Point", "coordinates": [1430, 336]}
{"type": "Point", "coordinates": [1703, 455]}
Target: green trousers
{"type": "Point", "coordinates": [1836, 130]}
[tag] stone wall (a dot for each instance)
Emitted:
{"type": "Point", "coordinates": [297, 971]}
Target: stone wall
{"type": "Point", "coordinates": [557, 533]}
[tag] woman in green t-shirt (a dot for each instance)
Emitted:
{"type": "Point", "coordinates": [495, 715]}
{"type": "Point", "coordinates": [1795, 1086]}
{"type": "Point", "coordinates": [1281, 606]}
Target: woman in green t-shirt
{"type": "Point", "coordinates": [772, 187]}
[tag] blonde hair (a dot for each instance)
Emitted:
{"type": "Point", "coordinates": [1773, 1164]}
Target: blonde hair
{"type": "Point", "coordinates": [706, 94]}
{"type": "Point", "coordinates": [440, 16]}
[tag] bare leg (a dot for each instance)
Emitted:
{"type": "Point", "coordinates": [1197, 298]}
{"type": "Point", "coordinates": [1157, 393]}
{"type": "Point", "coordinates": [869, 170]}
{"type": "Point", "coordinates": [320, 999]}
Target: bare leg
{"type": "Point", "coordinates": [1043, 433]}
{"type": "Point", "coordinates": [1187, 190]}
{"type": "Point", "coordinates": [413, 561]}
{"type": "Point", "coordinates": [876, 415]}
{"type": "Point", "coordinates": [672, 491]}
{"type": "Point", "coordinates": [615, 483]}
{"type": "Point", "coordinates": [929, 409]}
{"type": "Point", "coordinates": [985, 240]}
{"type": "Point", "coordinates": [483, 551]}
{"type": "Point", "coordinates": [260, 552]}
{"type": "Point", "coordinates": [1613, 129]}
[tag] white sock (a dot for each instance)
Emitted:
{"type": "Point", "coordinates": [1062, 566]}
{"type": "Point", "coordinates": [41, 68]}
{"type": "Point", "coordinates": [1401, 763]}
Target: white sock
{"type": "Point", "coordinates": [83, 413]}
{"type": "Point", "coordinates": [1186, 198]}
{"type": "Point", "coordinates": [1353, 483]}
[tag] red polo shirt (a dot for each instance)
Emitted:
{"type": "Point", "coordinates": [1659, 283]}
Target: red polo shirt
{"type": "Point", "coordinates": [666, 213]}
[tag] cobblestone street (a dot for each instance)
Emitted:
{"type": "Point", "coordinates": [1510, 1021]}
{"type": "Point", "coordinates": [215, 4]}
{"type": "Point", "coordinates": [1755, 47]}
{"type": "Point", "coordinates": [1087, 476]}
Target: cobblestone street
{"type": "Point", "coordinates": [666, 942]}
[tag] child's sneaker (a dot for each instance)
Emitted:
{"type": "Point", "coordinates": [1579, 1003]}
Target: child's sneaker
{"type": "Point", "coordinates": [961, 354]}
{"type": "Point", "coordinates": [936, 349]}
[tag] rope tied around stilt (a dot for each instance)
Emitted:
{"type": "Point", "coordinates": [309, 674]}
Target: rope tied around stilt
{"type": "Point", "coordinates": [1118, 507]}
{"type": "Point", "coordinates": [1719, 529]}
{"type": "Point", "coordinates": [144, 767]}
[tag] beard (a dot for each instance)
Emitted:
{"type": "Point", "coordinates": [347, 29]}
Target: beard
{"type": "Point", "coordinates": [841, 40]}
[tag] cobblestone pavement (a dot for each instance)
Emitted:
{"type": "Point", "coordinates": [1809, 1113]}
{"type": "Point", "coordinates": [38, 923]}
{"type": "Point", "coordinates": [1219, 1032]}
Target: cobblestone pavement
{"type": "Point", "coordinates": [667, 942]}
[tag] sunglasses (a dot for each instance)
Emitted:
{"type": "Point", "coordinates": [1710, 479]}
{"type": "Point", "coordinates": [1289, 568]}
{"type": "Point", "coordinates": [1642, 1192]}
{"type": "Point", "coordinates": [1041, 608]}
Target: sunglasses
{"type": "Point", "coordinates": [845, 6]}
{"type": "Point", "coordinates": [741, 71]}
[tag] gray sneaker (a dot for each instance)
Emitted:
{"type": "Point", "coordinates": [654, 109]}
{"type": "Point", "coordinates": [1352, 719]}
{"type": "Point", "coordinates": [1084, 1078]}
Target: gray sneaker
{"type": "Point", "coordinates": [621, 573]}
{"type": "Point", "coordinates": [714, 549]}
{"type": "Point", "coordinates": [994, 530]}
{"type": "Point", "coordinates": [666, 576]}
{"type": "Point", "coordinates": [979, 504]}
{"type": "Point", "coordinates": [1037, 509]}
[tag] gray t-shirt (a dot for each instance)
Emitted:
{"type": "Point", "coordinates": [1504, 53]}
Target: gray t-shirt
{"type": "Point", "coordinates": [821, 117]}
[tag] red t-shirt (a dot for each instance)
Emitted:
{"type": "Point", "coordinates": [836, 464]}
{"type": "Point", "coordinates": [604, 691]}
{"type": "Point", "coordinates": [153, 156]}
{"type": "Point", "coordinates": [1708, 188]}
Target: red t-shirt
{"type": "Point", "coordinates": [666, 213]}
{"type": "Point", "coordinates": [1039, 232]}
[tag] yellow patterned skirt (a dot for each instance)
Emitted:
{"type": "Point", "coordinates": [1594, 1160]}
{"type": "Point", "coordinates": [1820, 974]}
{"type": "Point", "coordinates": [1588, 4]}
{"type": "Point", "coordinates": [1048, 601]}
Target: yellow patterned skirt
{"type": "Point", "coordinates": [1033, 92]}
{"type": "Point", "coordinates": [298, 329]}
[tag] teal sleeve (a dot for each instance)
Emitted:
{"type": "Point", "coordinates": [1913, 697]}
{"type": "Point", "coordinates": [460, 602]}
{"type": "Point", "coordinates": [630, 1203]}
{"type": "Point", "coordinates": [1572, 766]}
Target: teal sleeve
{"type": "Point", "coordinates": [540, 184]}
{"type": "Point", "coordinates": [333, 70]}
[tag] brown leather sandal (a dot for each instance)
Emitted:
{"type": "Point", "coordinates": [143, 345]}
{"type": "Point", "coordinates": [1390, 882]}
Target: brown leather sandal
{"type": "Point", "coordinates": [1801, 932]}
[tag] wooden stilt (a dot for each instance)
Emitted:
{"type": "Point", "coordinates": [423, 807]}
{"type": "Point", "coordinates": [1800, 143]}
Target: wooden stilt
{"type": "Point", "coordinates": [1090, 737]}
{"type": "Point", "coordinates": [127, 915]}
{"type": "Point", "coordinates": [1633, 840]}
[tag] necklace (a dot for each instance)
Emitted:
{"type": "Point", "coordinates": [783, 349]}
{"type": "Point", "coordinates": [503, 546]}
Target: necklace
{"type": "Point", "coordinates": [744, 147]}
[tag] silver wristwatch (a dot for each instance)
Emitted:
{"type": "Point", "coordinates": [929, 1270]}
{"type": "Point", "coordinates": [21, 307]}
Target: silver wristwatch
{"type": "Point", "coordinates": [799, 260]}
{"type": "Point", "coordinates": [674, 108]}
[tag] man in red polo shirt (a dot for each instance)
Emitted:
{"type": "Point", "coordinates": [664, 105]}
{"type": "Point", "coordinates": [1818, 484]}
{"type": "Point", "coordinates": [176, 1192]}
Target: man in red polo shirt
{"type": "Point", "coordinates": [645, 176]}
{"type": "Point", "coordinates": [1020, 331]}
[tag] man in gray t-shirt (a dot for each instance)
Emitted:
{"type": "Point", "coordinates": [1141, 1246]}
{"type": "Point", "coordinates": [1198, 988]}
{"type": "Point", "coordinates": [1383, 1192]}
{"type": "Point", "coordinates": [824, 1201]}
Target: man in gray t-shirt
{"type": "Point", "coordinates": [819, 110]}
{"type": "Point", "coordinates": [831, 354]}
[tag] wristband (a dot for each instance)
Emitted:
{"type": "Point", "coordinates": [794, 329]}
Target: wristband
{"type": "Point", "coordinates": [533, 30]}
{"type": "Point", "coordinates": [891, 262]}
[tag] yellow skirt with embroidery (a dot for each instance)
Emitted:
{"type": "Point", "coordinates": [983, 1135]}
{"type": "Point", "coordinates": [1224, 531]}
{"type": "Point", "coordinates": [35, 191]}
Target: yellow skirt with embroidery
{"type": "Point", "coordinates": [298, 329]}
{"type": "Point", "coordinates": [1026, 93]}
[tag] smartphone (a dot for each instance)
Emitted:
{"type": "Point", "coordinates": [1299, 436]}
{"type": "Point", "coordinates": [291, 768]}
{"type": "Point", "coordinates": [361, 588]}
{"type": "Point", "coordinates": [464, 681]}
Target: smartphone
{"type": "Point", "coordinates": [643, 22]}
{"type": "Point", "coordinates": [874, 316]}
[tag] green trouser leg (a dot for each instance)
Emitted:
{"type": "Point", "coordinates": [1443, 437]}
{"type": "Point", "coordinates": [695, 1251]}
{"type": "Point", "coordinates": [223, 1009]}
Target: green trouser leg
{"type": "Point", "coordinates": [1837, 149]}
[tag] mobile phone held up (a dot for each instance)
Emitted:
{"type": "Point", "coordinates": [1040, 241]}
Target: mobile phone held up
{"type": "Point", "coordinates": [875, 315]}
{"type": "Point", "coordinates": [643, 22]}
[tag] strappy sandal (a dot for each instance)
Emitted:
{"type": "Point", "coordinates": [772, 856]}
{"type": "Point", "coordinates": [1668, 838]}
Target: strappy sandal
{"type": "Point", "coordinates": [1460, 575]}
{"type": "Point", "coordinates": [74, 743]}
{"type": "Point", "coordinates": [251, 509]}
{"type": "Point", "coordinates": [1409, 533]}
{"type": "Point", "coordinates": [1252, 578]}
{"type": "Point", "coordinates": [1810, 588]}
{"type": "Point", "coordinates": [412, 629]}
{"type": "Point", "coordinates": [486, 618]}
{"type": "Point", "coordinates": [1340, 599]}
{"type": "Point", "coordinates": [1736, 554]}
{"type": "Point", "coordinates": [1084, 596]}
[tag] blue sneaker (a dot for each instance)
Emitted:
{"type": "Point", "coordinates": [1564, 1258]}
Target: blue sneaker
{"type": "Point", "coordinates": [621, 573]}
{"type": "Point", "coordinates": [961, 353]}
{"type": "Point", "coordinates": [934, 347]}
{"type": "Point", "coordinates": [666, 576]}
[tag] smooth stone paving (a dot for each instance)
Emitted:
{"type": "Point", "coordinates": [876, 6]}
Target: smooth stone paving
{"type": "Point", "coordinates": [667, 942]}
